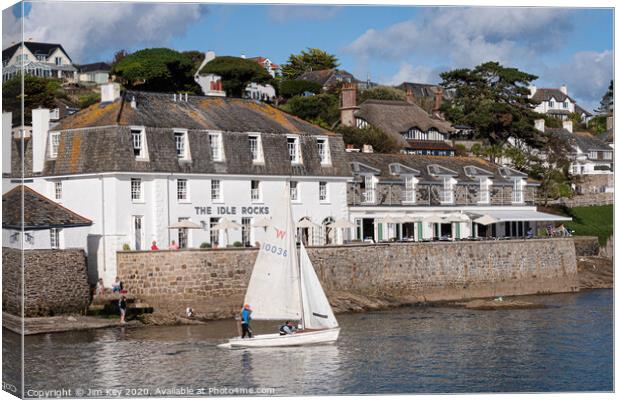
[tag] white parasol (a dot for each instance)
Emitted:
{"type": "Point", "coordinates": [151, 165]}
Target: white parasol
{"type": "Point", "coordinates": [185, 224]}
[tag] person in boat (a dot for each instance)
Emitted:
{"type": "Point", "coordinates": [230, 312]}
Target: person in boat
{"type": "Point", "coordinates": [287, 329]}
{"type": "Point", "coordinates": [245, 321]}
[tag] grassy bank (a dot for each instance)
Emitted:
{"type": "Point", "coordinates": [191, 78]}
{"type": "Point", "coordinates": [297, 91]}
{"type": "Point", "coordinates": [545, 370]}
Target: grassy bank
{"type": "Point", "coordinates": [592, 221]}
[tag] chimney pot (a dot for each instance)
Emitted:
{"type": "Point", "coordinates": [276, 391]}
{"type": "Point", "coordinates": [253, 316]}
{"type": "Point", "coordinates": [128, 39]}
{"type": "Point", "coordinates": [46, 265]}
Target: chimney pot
{"type": "Point", "coordinates": [409, 96]}
{"type": "Point", "coordinates": [564, 89]}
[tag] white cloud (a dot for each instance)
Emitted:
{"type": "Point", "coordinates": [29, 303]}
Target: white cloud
{"type": "Point", "coordinates": [286, 13]}
{"type": "Point", "coordinates": [88, 30]}
{"type": "Point", "coordinates": [467, 36]}
{"type": "Point", "coordinates": [587, 76]}
{"type": "Point", "coordinates": [409, 73]}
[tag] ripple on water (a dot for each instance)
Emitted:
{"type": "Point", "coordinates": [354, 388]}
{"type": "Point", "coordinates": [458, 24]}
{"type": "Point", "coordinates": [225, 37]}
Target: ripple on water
{"type": "Point", "coordinates": [567, 347]}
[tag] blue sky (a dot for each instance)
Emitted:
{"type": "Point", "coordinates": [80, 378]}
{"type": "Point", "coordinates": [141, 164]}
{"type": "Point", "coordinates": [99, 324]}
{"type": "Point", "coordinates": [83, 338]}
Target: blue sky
{"type": "Point", "coordinates": [391, 43]}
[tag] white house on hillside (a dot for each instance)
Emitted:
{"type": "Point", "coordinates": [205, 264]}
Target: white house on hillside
{"type": "Point", "coordinates": [49, 60]}
{"type": "Point", "coordinates": [557, 103]}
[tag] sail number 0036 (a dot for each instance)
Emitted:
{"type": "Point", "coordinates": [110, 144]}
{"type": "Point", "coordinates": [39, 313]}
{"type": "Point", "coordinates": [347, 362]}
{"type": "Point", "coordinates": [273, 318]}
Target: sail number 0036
{"type": "Point", "coordinates": [279, 251]}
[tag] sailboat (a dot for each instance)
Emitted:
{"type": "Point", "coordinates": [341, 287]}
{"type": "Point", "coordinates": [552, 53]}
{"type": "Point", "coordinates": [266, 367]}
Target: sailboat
{"type": "Point", "coordinates": [284, 286]}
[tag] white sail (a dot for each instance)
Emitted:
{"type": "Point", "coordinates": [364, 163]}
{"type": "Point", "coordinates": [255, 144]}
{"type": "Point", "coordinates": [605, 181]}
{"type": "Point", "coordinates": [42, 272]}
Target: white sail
{"type": "Point", "coordinates": [273, 290]}
{"type": "Point", "coordinates": [318, 313]}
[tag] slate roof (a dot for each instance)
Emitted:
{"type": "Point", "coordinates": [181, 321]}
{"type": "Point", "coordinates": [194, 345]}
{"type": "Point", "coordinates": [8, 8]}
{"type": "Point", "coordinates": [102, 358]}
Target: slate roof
{"type": "Point", "coordinates": [98, 138]}
{"type": "Point", "coordinates": [397, 117]}
{"type": "Point", "coordinates": [584, 140]}
{"type": "Point", "coordinates": [39, 212]}
{"type": "Point", "coordinates": [326, 77]}
{"type": "Point", "coordinates": [425, 90]}
{"type": "Point", "coordinates": [581, 110]}
{"type": "Point", "coordinates": [198, 112]}
{"type": "Point", "coordinates": [98, 66]}
{"type": "Point", "coordinates": [545, 94]}
{"type": "Point", "coordinates": [34, 47]}
{"type": "Point", "coordinates": [426, 164]}
{"type": "Point", "coordinates": [607, 136]}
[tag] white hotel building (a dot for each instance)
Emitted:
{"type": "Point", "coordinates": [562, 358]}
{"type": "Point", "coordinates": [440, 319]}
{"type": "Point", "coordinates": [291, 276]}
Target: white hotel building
{"type": "Point", "coordinates": [137, 163]}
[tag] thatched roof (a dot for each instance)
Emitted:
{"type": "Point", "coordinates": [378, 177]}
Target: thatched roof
{"type": "Point", "coordinates": [397, 117]}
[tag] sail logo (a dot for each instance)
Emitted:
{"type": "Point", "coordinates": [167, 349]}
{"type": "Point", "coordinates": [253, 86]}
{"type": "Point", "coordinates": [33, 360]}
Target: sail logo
{"type": "Point", "coordinates": [280, 233]}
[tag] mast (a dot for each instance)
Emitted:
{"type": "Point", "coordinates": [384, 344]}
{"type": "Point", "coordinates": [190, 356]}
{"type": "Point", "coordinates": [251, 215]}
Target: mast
{"type": "Point", "coordinates": [298, 255]}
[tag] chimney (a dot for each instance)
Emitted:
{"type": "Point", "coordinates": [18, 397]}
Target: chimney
{"type": "Point", "coordinates": [438, 99]}
{"type": "Point", "coordinates": [564, 89]}
{"type": "Point", "coordinates": [539, 124]}
{"type": "Point", "coordinates": [610, 122]}
{"type": "Point", "coordinates": [367, 148]}
{"type": "Point", "coordinates": [409, 96]}
{"type": "Point", "coordinates": [348, 104]}
{"type": "Point", "coordinates": [532, 90]}
{"type": "Point", "coordinates": [40, 130]}
{"type": "Point", "coordinates": [7, 146]}
{"type": "Point", "coordinates": [110, 92]}
{"type": "Point", "coordinates": [568, 125]}
{"type": "Point", "coordinates": [133, 102]}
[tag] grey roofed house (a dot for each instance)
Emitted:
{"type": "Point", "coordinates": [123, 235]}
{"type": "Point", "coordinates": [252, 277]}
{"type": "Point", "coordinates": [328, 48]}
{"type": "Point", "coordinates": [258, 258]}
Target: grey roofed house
{"type": "Point", "coordinates": [98, 66]}
{"type": "Point", "coordinates": [99, 138]}
{"type": "Point", "coordinates": [584, 140]}
{"type": "Point", "coordinates": [39, 212]}
{"type": "Point", "coordinates": [425, 90]}
{"type": "Point", "coordinates": [397, 117]}
{"type": "Point", "coordinates": [36, 48]}
{"type": "Point", "coordinates": [430, 168]}
{"type": "Point", "coordinates": [582, 111]}
{"type": "Point", "coordinates": [328, 77]}
{"type": "Point", "coordinates": [545, 94]}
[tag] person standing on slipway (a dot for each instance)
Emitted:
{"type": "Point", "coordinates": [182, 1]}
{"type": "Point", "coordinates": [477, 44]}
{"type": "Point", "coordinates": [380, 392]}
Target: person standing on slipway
{"type": "Point", "coordinates": [245, 321]}
{"type": "Point", "coordinates": [122, 306]}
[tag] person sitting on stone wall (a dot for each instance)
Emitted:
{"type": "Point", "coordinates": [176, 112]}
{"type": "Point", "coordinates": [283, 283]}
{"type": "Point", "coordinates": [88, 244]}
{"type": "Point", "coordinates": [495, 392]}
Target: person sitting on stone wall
{"type": "Point", "coordinates": [174, 245]}
{"type": "Point", "coordinates": [117, 286]}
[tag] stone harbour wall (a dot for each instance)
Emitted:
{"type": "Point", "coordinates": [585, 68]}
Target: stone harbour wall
{"type": "Point", "coordinates": [412, 272]}
{"type": "Point", "coordinates": [55, 282]}
{"type": "Point", "coordinates": [586, 246]}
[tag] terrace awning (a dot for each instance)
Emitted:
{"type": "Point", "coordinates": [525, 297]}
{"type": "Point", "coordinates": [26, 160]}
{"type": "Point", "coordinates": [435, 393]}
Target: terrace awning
{"type": "Point", "coordinates": [520, 215]}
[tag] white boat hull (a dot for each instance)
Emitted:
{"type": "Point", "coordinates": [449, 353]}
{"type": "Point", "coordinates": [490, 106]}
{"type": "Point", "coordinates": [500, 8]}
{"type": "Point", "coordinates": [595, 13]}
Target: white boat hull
{"type": "Point", "coordinates": [277, 340]}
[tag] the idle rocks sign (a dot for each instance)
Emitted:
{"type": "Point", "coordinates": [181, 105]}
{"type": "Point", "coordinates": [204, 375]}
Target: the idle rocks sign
{"type": "Point", "coordinates": [232, 210]}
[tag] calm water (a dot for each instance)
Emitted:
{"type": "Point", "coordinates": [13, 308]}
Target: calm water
{"type": "Point", "coordinates": [568, 347]}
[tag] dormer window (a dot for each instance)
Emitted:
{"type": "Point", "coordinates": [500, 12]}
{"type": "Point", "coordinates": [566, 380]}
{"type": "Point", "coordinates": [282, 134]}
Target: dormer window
{"type": "Point", "coordinates": [323, 148]}
{"type": "Point", "coordinates": [369, 187]}
{"type": "Point", "coordinates": [58, 60]}
{"type": "Point", "coordinates": [485, 184]}
{"type": "Point", "coordinates": [566, 104]}
{"type": "Point", "coordinates": [138, 141]}
{"type": "Point", "coordinates": [551, 104]}
{"type": "Point", "coordinates": [215, 142]}
{"type": "Point", "coordinates": [181, 143]}
{"type": "Point", "coordinates": [447, 190]}
{"type": "Point", "coordinates": [413, 134]}
{"type": "Point", "coordinates": [361, 123]}
{"type": "Point", "coordinates": [517, 191]}
{"type": "Point", "coordinates": [433, 134]}
{"type": "Point", "coordinates": [409, 195]}
{"type": "Point", "coordinates": [256, 148]}
{"type": "Point", "coordinates": [294, 152]}
{"type": "Point", "coordinates": [54, 144]}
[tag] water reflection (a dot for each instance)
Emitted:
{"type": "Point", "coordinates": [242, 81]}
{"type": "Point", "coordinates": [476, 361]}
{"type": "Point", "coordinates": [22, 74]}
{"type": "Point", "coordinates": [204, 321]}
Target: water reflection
{"type": "Point", "coordinates": [410, 350]}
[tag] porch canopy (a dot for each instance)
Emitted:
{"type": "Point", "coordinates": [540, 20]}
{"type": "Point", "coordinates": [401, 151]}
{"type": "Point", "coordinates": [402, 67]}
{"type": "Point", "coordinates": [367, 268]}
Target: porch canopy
{"type": "Point", "coordinates": [518, 215]}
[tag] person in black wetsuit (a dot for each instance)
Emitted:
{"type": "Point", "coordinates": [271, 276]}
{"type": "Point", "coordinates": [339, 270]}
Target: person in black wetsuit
{"type": "Point", "coordinates": [287, 329]}
{"type": "Point", "coordinates": [122, 305]}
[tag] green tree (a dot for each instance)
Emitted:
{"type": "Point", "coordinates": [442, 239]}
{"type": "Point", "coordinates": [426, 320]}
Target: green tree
{"type": "Point", "coordinates": [381, 93]}
{"type": "Point", "coordinates": [237, 73]}
{"type": "Point", "coordinates": [312, 59]}
{"type": "Point", "coordinates": [157, 70]}
{"type": "Point", "coordinates": [607, 101]}
{"type": "Point", "coordinates": [321, 108]}
{"type": "Point", "coordinates": [295, 87]}
{"type": "Point", "coordinates": [38, 92]}
{"type": "Point", "coordinates": [598, 124]}
{"type": "Point", "coordinates": [553, 170]}
{"type": "Point", "coordinates": [196, 56]}
{"type": "Point", "coordinates": [379, 140]}
{"type": "Point", "coordinates": [493, 100]}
